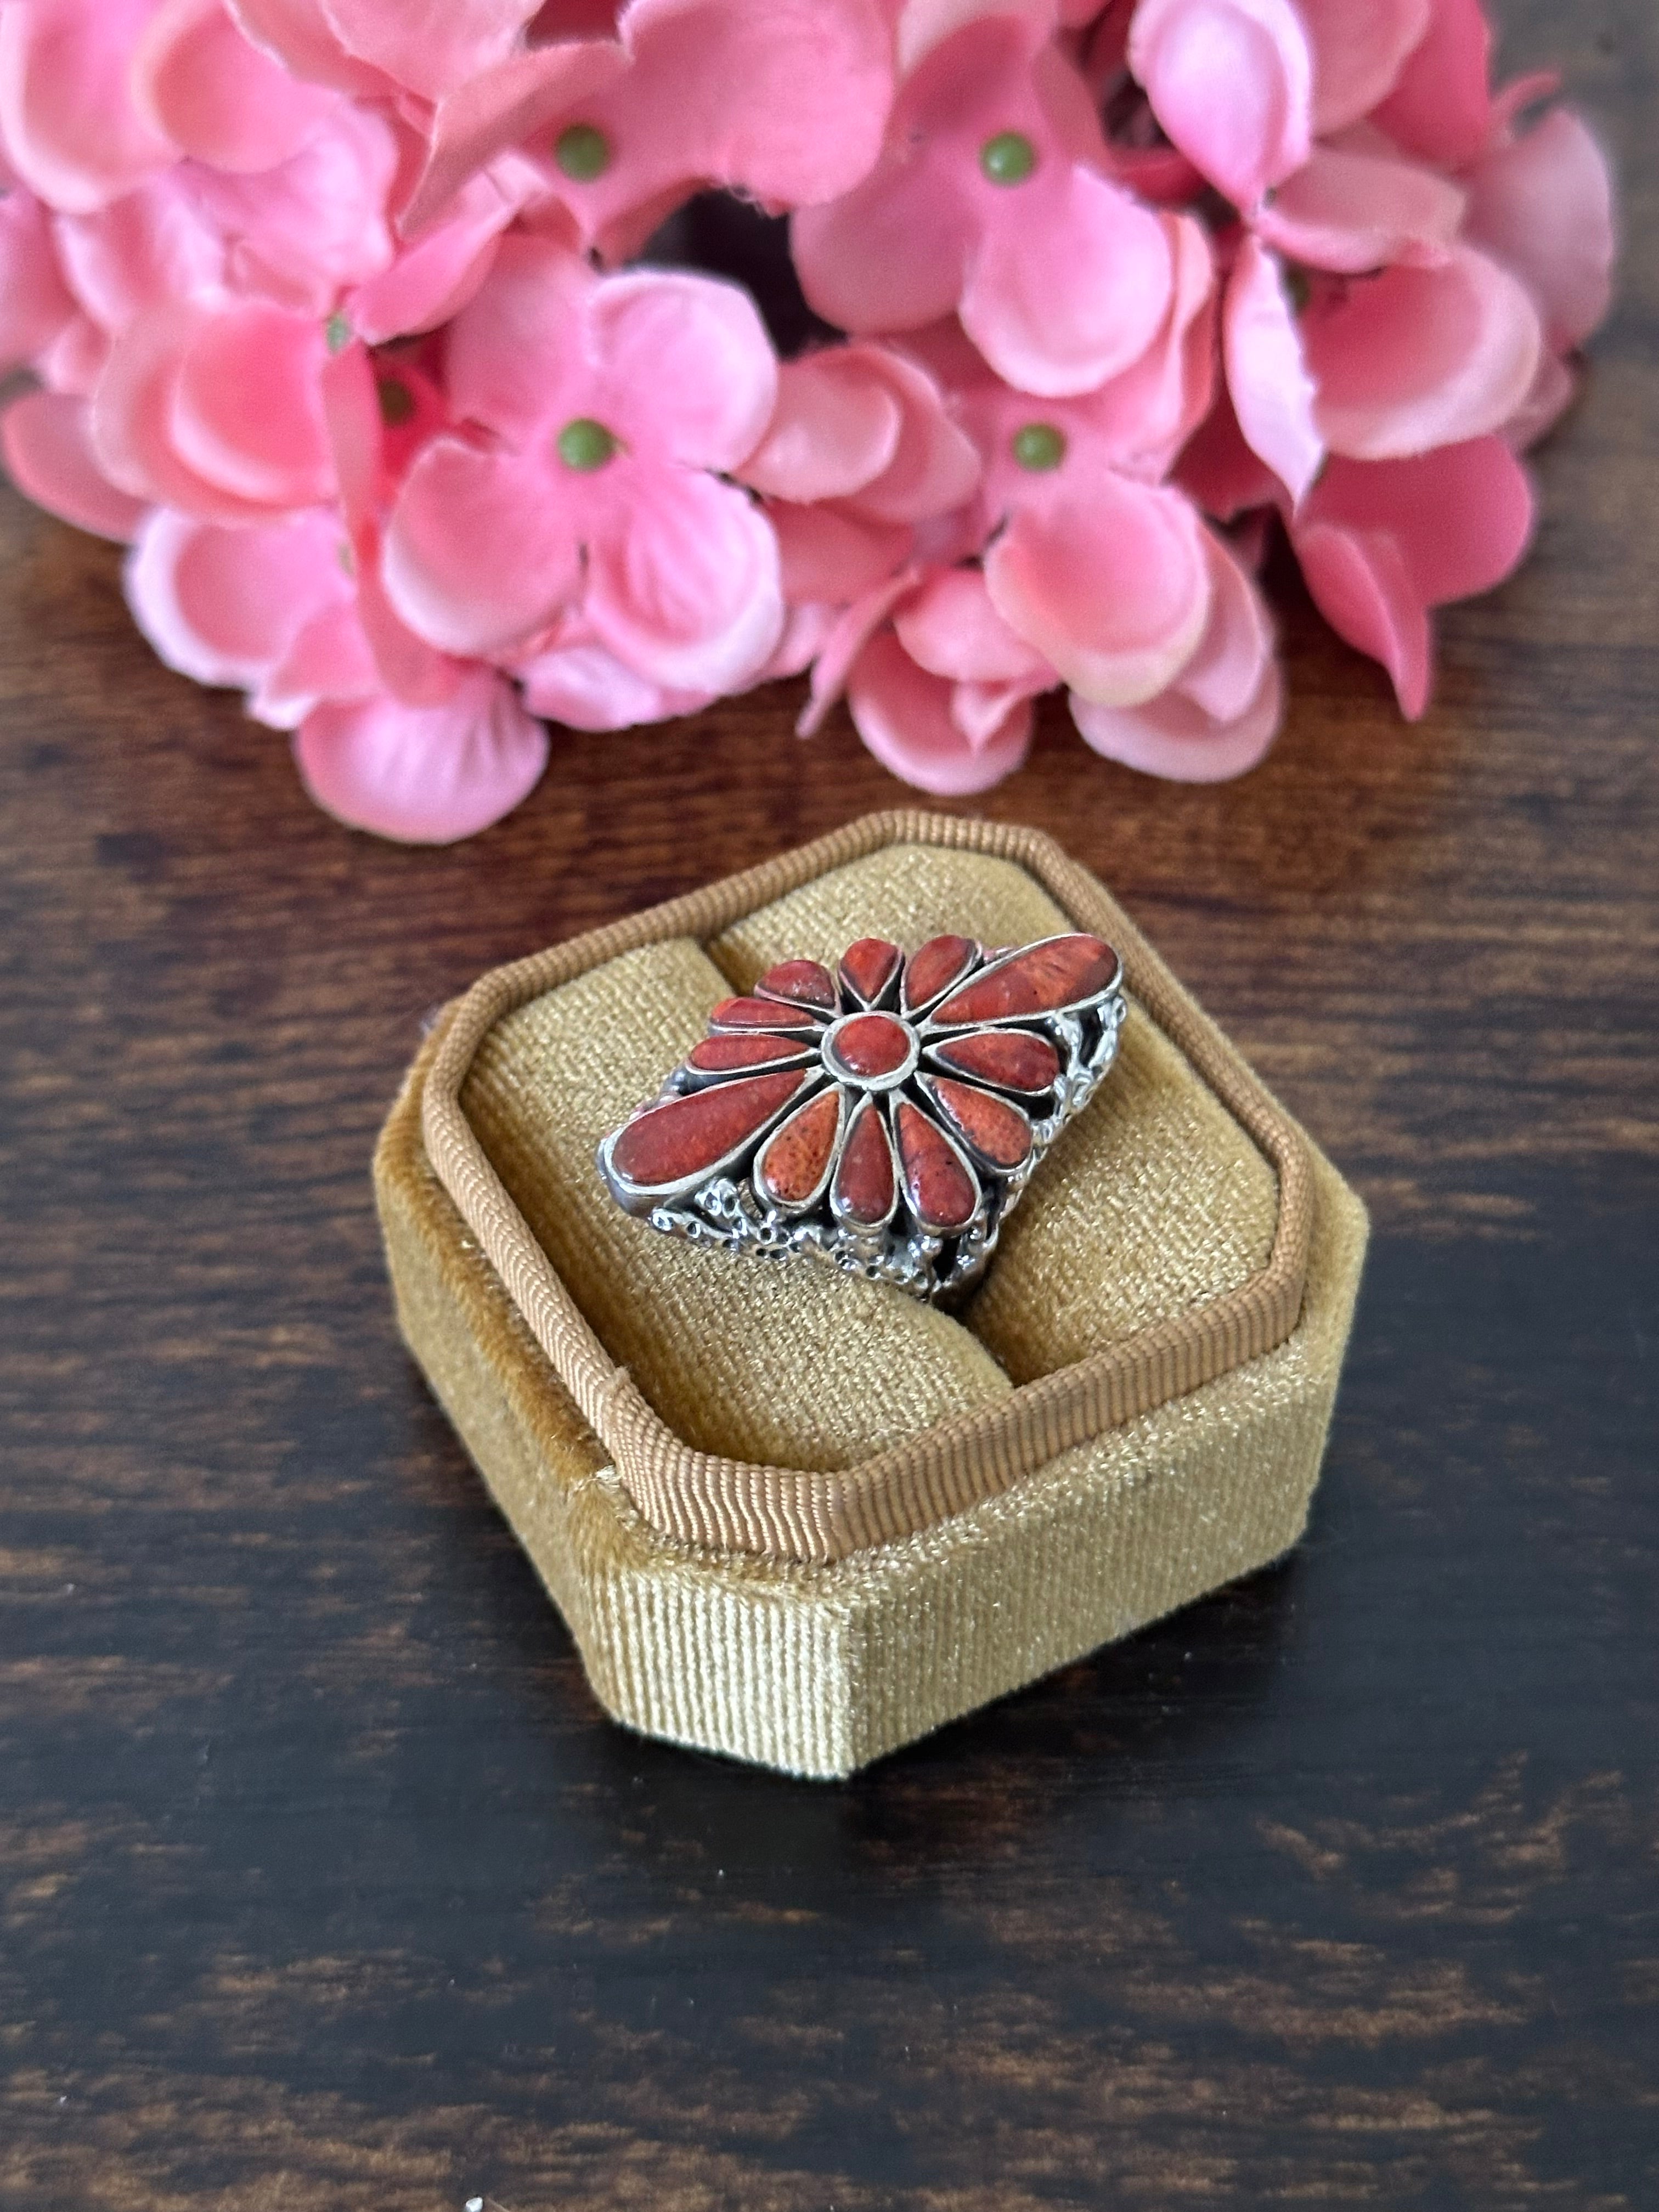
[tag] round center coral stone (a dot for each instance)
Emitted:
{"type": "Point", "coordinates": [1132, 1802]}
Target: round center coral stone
{"type": "Point", "coordinates": [870, 1046]}
{"type": "Point", "coordinates": [585, 444]}
{"type": "Point", "coordinates": [1009, 158]}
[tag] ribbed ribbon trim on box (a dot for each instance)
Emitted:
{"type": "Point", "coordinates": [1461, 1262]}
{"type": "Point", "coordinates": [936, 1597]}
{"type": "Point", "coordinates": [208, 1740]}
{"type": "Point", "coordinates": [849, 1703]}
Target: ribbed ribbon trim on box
{"type": "Point", "coordinates": [795, 1513]}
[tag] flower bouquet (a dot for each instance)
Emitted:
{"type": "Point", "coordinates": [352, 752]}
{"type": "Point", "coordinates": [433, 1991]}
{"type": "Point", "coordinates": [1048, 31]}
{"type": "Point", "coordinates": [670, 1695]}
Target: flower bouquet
{"type": "Point", "coordinates": [369, 325]}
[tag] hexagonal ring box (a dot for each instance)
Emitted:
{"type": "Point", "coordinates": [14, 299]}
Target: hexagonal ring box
{"type": "Point", "coordinates": [796, 1515]}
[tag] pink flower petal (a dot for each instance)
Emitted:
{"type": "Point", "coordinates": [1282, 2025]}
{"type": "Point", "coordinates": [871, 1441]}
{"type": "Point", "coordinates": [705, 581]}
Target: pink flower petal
{"type": "Point", "coordinates": [844, 641]}
{"type": "Point", "coordinates": [1354, 211]}
{"type": "Point", "coordinates": [1143, 417]}
{"type": "Point", "coordinates": [718, 93]}
{"type": "Point", "coordinates": [1543, 206]}
{"type": "Point", "coordinates": [516, 355]}
{"type": "Point", "coordinates": [1171, 736]}
{"type": "Point", "coordinates": [1220, 471]}
{"type": "Point", "coordinates": [150, 247]}
{"type": "Point", "coordinates": [951, 629]}
{"type": "Point", "coordinates": [982, 711]}
{"type": "Point", "coordinates": [866, 426]}
{"type": "Point", "coordinates": [298, 34]}
{"type": "Point", "coordinates": [515, 104]}
{"type": "Point", "coordinates": [48, 453]}
{"type": "Point", "coordinates": [328, 659]}
{"type": "Point", "coordinates": [1440, 108]}
{"type": "Point", "coordinates": [434, 278]}
{"type": "Point", "coordinates": [1272, 391]}
{"type": "Point", "coordinates": [835, 428]}
{"type": "Point", "coordinates": [480, 550]}
{"type": "Point", "coordinates": [889, 255]}
{"type": "Point", "coordinates": [247, 412]}
{"type": "Point", "coordinates": [1462, 516]}
{"type": "Point", "coordinates": [924, 24]}
{"type": "Point", "coordinates": [416, 673]}
{"type": "Point", "coordinates": [684, 363]}
{"type": "Point", "coordinates": [131, 423]}
{"type": "Point", "coordinates": [1223, 676]}
{"type": "Point", "coordinates": [75, 359]}
{"type": "Point", "coordinates": [618, 239]}
{"type": "Point", "coordinates": [428, 45]}
{"type": "Point", "coordinates": [711, 95]}
{"type": "Point", "coordinates": [298, 232]}
{"type": "Point", "coordinates": [1069, 289]}
{"type": "Point", "coordinates": [1360, 584]}
{"type": "Point", "coordinates": [1415, 358]}
{"type": "Point", "coordinates": [1554, 389]}
{"type": "Point", "coordinates": [1359, 48]}
{"type": "Point", "coordinates": [199, 82]}
{"type": "Point", "coordinates": [904, 715]}
{"type": "Point", "coordinates": [806, 631]}
{"type": "Point", "coordinates": [356, 431]}
{"type": "Point", "coordinates": [35, 303]}
{"type": "Point", "coordinates": [934, 466]}
{"type": "Point", "coordinates": [223, 605]}
{"type": "Point", "coordinates": [1230, 81]}
{"type": "Point", "coordinates": [426, 775]}
{"type": "Point", "coordinates": [683, 582]}
{"type": "Point", "coordinates": [1379, 545]}
{"type": "Point", "coordinates": [71, 131]}
{"type": "Point", "coordinates": [826, 554]}
{"type": "Point", "coordinates": [1109, 581]}
{"type": "Point", "coordinates": [1220, 713]}
{"type": "Point", "coordinates": [1136, 152]}
{"type": "Point", "coordinates": [587, 688]}
{"type": "Point", "coordinates": [368, 462]}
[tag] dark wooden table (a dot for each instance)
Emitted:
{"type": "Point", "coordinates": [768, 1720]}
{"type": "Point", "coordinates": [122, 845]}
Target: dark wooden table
{"type": "Point", "coordinates": [324, 1885]}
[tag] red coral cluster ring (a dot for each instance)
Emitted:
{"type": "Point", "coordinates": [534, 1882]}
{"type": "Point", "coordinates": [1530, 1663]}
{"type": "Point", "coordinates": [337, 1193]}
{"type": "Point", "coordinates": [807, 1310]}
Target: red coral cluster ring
{"type": "Point", "coordinates": [886, 1117]}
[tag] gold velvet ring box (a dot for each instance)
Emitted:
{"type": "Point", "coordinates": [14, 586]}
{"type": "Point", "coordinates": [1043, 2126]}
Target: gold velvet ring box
{"type": "Point", "coordinates": [801, 1517]}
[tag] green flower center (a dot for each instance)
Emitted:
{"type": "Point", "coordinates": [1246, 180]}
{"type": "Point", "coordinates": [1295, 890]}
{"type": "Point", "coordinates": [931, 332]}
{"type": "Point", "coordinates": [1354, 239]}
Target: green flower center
{"type": "Point", "coordinates": [582, 152]}
{"type": "Point", "coordinates": [1039, 446]}
{"type": "Point", "coordinates": [585, 444]}
{"type": "Point", "coordinates": [337, 332]}
{"type": "Point", "coordinates": [1009, 158]}
{"type": "Point", "coordinates": [396, 400]}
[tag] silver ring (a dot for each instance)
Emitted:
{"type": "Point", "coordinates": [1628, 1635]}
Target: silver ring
{"type": "Point", "coordinates": [885, 1118]}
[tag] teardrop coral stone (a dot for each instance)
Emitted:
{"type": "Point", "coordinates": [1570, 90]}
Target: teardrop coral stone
{"type": "Point", "coordinates": [795, 1158]}
{"type": "Point", "coordinates": [1062, 972]}
{"type": "Point", "coordinates": [866, 968]}
{"type": "Point", "coordinates": [763, 1014]}
{"type": "Point", "coordinates": [1014, 1059]}
{"type": "Point", "coordinates": [997, 1132]}
{"type": "Point", "coordinates": [734, 1055]}
{"type": "Point", "coordinates": [939, 1185]}
{"type": "Point", "coordinates": [864, 1180]}
{"type": "Point", "coordinates": [802, 982]}
{"type": "Point", "coordinates": [690, 1135]}
{"type": "Point", "coordinates": [934, 966]}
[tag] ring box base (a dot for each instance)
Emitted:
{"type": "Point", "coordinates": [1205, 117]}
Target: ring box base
{"type": "Point", "coordinates": [817, 1667]}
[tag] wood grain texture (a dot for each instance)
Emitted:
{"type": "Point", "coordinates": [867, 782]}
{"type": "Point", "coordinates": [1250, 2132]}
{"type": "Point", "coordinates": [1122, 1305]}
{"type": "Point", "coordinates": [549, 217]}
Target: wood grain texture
{"type": "Point", "coordinates": [322, 1885]}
